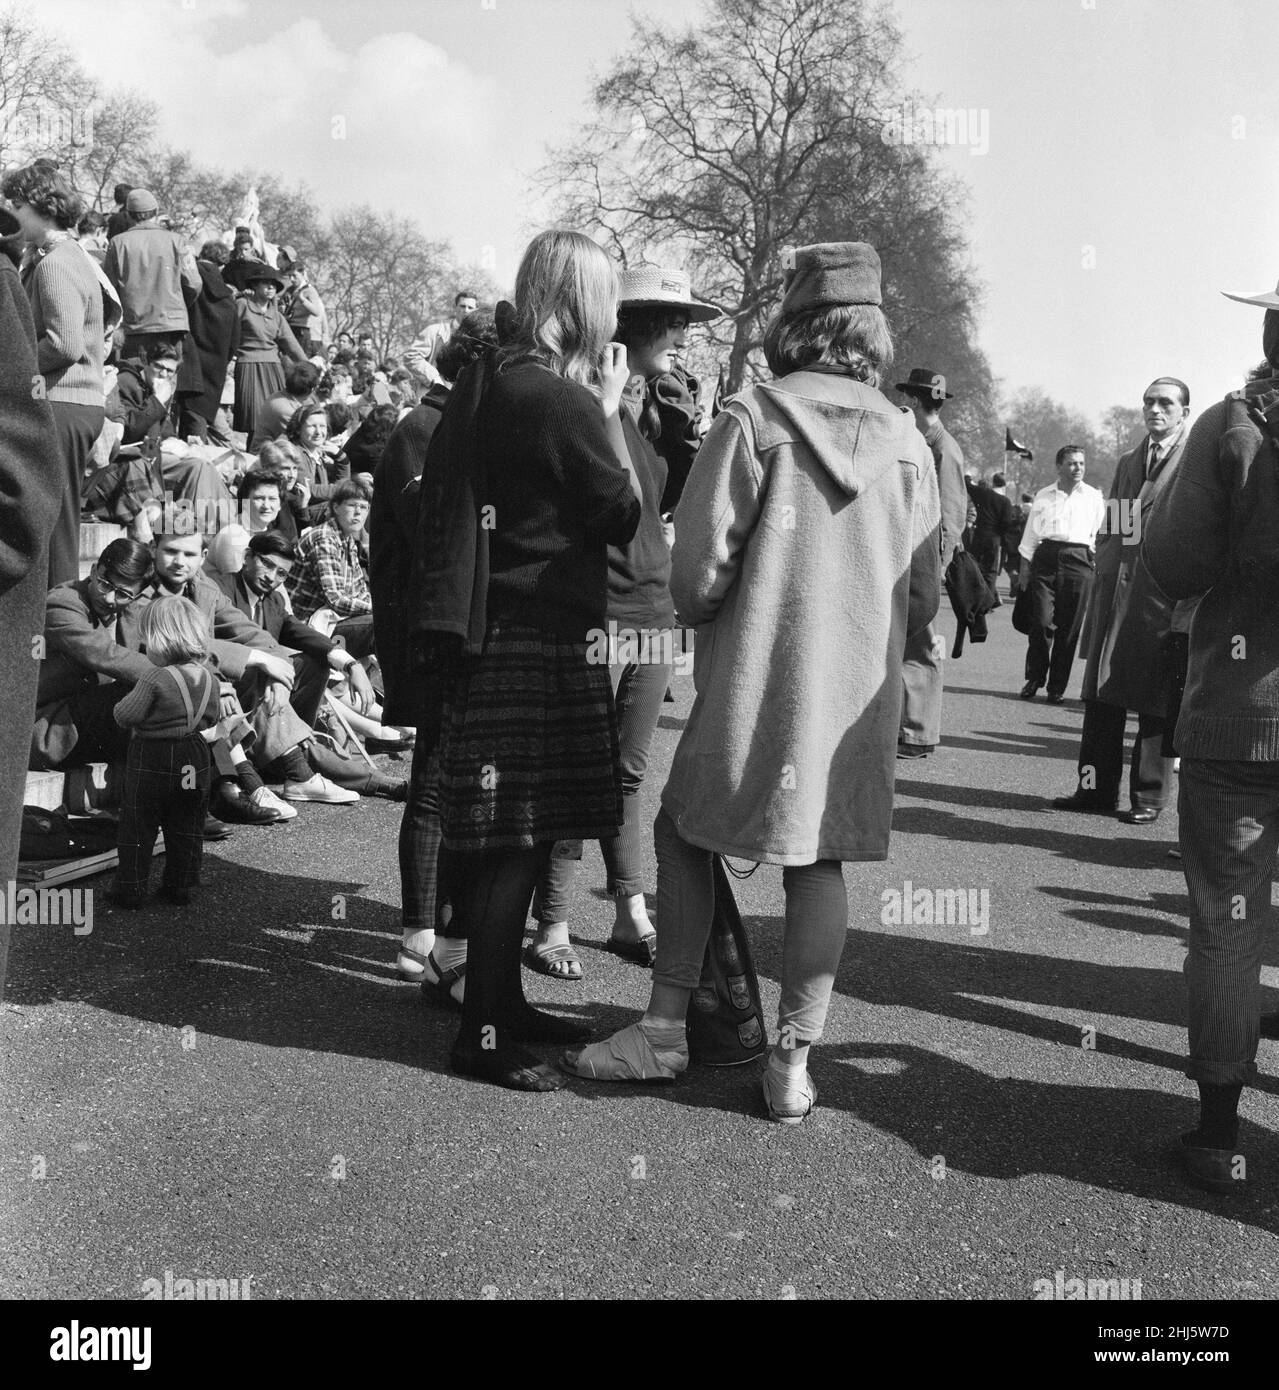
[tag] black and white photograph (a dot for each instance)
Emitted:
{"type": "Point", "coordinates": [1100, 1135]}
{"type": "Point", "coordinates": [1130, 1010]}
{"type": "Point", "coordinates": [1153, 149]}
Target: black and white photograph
{"type": "Point", "coordinates": [639, 662]}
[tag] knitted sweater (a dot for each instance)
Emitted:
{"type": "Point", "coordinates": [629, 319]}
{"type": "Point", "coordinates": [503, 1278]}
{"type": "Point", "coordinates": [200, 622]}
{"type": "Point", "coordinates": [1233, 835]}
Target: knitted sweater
{"type": "Point", "coordinates": [559, 498]}
{"type": "Point", "coordinates": [155, 709]}
{"type": "Point", "coordinates": [66, 305]}
{"type": "Point", "coordinates": [1216, 528]}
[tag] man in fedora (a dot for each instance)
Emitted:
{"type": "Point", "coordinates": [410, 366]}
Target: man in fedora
{"type": "Point", "coordinates": [1215, 531]}
{"type": "Point", "coordinates": [1128, 627]}
{"type": "Point", "coordinates": [151, 267]}
{"type": "Point", "coordinates": [922, 677]}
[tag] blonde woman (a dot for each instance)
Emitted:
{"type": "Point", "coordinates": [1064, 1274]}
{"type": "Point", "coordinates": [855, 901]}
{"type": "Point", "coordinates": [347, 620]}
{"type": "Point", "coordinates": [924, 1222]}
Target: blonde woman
{"type": "Point", "coordinates": [529, 748]}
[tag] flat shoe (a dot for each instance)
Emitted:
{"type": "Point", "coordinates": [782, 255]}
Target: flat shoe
{"type": "Point", "coordinates": [786, 1105]}
{"type": "Point", "coordinates": [642, 952]}
{"type": "Point", "coordinates": [410, 964]}
{"type": "Point", "coordinates": [626, 1056]}
{"type": "Point", "coordinates": [515, 1069]}
{"type": "Point", "coordinates": [541, 958]}
{"type": "Point", "coordinates": [438, 983]}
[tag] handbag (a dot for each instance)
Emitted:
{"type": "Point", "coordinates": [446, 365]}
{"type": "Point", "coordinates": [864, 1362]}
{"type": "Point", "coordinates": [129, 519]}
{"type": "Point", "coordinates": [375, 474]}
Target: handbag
{"type": "Point", "coordinates": [1024, 610]}
{"type": "Point", "coordinates": [725, 1013]}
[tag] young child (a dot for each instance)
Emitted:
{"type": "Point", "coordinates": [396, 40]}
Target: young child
{"type": "Point", "coordinates": [167, 770]}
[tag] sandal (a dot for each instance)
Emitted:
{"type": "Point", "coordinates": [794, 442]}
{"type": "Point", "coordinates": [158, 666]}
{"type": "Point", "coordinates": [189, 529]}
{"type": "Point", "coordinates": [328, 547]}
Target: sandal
{"type": "Point", "coordinates": [542, 958]}
{"type": "Point", "coordinates": [445, 982]}
{"type": "Point", "coordinates": [788, 1105]}
{"type": "Point", "coordinates": [626, 1056]}
{"type": "Point", "coordinates": [642, 952]}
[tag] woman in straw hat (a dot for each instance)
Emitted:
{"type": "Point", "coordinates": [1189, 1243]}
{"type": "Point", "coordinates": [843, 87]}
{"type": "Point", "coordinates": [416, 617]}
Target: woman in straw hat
{"type": "Point", "coordinates": [654, 311]}
{"type": "Point", "coordinates": [806, 551]}
{"type": "Point", "coordinates": [261, 335]}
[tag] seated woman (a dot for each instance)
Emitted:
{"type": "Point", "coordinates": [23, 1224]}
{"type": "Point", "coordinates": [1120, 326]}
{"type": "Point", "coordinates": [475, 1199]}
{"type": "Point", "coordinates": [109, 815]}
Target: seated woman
{"type": "Point", "coordinates": [258, 509]}
{"type": "Point", "coordinates": [280, 458]}
{"type": "Point", "coordinates": [300, 381]}
{"type": "Point", "coordinates": [307, 432]}
{"type": "Point", "coordinates": [364, 449]}
{"type": "Point", "coordinates": [332, 569]}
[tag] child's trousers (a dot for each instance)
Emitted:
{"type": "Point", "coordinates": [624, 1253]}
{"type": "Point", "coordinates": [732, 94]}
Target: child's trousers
{"type": "Point", "coordinates": [166, 787]}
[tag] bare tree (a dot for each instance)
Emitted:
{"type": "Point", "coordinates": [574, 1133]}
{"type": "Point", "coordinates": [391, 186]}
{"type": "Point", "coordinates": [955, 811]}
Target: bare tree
{"type": "Point", "coordinates": [46, 98]}
{"type": "Point", "coordinates": [764, 128]}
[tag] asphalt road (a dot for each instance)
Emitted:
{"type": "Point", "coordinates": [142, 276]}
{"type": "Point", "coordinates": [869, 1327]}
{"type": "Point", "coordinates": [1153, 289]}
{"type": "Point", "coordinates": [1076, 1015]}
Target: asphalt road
{"type": "Point", "coordinates": [247, 1090]}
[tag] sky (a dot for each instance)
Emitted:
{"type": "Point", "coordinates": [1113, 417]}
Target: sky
{"type": "Point", "coordinates": [1121, 160]}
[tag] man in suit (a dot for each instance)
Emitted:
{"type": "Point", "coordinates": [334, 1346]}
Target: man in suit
{"type": "Point", "coordinates": [257, 592]}
{"type": "Point", "coordinates": [922, 677]}
{"type": "Point", "coordinates": [1127, 627]}
{"type": "Point", "coordinates": [992, 529]}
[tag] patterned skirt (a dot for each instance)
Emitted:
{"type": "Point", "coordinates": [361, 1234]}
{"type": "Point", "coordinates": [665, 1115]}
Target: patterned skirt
{"type": "Point", "coordinates": [528, 750]}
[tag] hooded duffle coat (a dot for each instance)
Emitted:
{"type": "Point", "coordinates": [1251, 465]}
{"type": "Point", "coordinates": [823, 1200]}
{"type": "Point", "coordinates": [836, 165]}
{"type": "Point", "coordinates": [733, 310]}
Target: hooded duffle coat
{"type": "Point", "coordinates": [806, 549]}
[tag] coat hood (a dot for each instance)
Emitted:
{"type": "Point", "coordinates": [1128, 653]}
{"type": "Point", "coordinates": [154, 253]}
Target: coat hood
{"type": "Point", "coordinates": [851, 429]}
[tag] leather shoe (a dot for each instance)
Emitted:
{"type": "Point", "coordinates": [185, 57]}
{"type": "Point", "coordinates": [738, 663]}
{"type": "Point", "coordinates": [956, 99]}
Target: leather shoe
{"type": "Point", "coordinates": [1029, 690]}
{"type": "Point", "coordinates": [1087, 804]}
{"type": "Point", "coordinates": [1140, 815]}
{"type": "Point", "coordinates": [1270, 1025]}
{"type": "Point", "coordinates": [1213, 1170]}
{"type": "Point", "coordinates": [215, 830]}
{"type": "Point", "coordinates": [234, 806]}
{"type": "Point", "coordinates": [1056, 699]}
{"type": "Point", "coordinates": [914, 750]}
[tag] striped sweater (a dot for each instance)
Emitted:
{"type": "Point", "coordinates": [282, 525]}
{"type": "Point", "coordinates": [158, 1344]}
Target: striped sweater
{"type": "Point", "coordinates": [66, 305]}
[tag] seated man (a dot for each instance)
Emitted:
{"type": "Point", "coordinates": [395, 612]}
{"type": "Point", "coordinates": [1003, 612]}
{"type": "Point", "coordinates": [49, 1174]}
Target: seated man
{"type": "Point", "coordinates": [143, 400]}
{"type": "Point", "coordinates": [332, 571]}
{"type": "Point", "coordinates": [259, 675]}
{"type": "Point", "coordinates": [256, 591]}
{"type": "Point", "coordinates": [134, 492]}
{"type": "Point", "coordinates": [300, 381]}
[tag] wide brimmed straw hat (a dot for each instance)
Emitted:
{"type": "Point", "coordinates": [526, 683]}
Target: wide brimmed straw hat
{"type": "Point", "coordinates": [654, 286]}
{"type": "Point", "coordinates": [1264, 300]}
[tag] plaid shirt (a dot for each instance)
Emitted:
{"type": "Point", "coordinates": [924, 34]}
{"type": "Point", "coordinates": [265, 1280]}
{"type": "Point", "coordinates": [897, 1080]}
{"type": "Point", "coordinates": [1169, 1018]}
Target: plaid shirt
{"type": "Point", "coordinates": [329, 573]}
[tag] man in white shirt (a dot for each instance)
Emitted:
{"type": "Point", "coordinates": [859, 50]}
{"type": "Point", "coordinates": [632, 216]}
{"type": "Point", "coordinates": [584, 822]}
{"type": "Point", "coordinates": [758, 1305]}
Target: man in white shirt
{"type": "Point", "coordinates": [420, 357]}
{"type": "Point", "coordinates": [1057, 546]}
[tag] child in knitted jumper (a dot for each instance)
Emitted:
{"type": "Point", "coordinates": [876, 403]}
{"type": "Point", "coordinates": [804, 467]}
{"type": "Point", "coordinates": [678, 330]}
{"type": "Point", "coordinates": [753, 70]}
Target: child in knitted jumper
{"type": "Point", "coordinates": [167, 770]}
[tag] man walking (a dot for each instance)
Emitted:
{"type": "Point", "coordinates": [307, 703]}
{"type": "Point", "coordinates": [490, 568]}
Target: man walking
{"type": "Point", "coordinates": [1129, 625]}
{"type": "Point", "coordinates": [1057, 546]}
{"type": "Point", "coordinates": [1215, 531]}
{"type": "Point", "coordinates": [922, 676]}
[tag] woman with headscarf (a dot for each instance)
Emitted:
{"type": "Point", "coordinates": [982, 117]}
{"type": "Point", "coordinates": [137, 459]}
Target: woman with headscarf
{"type": "Point", "coordinates": [806, 550]}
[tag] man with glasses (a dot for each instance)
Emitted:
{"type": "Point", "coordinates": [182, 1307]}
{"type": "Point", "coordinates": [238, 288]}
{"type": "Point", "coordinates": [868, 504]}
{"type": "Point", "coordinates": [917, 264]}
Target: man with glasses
{"type": "Point", "coordinates": [143, 399]}
{"type": "Point", "coordinates": [1128, 625]}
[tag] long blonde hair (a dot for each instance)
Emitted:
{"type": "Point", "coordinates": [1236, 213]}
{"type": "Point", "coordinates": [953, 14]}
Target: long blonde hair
{"type": "Point", "coordinates": [565, 306]}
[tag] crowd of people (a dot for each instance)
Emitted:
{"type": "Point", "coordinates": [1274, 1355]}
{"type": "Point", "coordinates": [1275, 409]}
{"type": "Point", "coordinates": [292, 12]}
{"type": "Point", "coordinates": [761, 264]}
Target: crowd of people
{"type": "Point", "coordinates": [481, 550]}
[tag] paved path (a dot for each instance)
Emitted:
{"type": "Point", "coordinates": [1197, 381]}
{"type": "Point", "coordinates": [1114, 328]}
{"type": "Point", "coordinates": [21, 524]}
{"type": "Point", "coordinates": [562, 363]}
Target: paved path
{"type": "Point", "coordinates": [249, 1091]}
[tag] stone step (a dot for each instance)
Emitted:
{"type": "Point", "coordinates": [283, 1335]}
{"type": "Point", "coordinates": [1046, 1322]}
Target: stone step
{"type": "Point", "coordinates": [79, 790]}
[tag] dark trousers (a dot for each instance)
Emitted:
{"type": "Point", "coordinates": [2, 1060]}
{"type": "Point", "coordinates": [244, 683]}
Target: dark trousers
{"type": "Point", "coordinates": [310, 678]}
{"type": "Point", "coordinates": [99, 739]}
{"type": "Point", "coordinates": [1178, 650]}
{"type": "Point", "coordinates": [1060, 580]}
{"type": "Point", "coordinates": [166, 787]}
{"type": "Point", "coordinates": [78, 428]}
{"type": "Point", "coordinates": [1101, 757]}
{"type": "Point", "coordinates": [191, 422]}
{"type": "Point", "coordinates": [985, 550]}
{"type": "Point", "coordinates": [639, 689]}
{"type": "Point", "coordinates": [1229, 824]}
{"type": "Point", "coordinates": [420, 839]}
{"type": "Point", "coordinates": [356, 634]}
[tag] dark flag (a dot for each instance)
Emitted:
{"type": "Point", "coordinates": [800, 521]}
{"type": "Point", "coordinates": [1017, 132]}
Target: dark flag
{"type": "Point", "coordinates": [1012, 446]}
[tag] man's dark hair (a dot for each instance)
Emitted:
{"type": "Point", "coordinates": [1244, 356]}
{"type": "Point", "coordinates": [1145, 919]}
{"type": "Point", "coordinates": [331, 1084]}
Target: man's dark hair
{"type": "Point", "coordinates": [301, 378]}
{"type": "Point", "coordinates": [646, 322]}
{"type": "Point", "coordinates": [90, 223]}
{"type": "Point", "coordinates": [256, 478]}
{"type": "Point", "coordinates": [343, 357]}
{"type": "Point", "coordinates": [121, 192]}
{"type": "Point", "coordinates": [273, 543]}
{"type": "Point", "coordinates": [998, 480]}
{"type": "Point", "coordinates": [159, 351]}
{"type": "Point", "coordinates": [1069, 449]}
{"type": "Point", "coordinates": [465, 294]}
{"type": "Point", "coordinates": [1026, 497]}
{"type": "Point", "coordinates": [1178, 383]}
{"type": "Point", "coordinates": [339, 414]}
{"type": "Point", "coordinates": [126, 560]}
{"type": "Point", "coordinates": [215, 253]}
{"type": "Point", "coordinates": [41, 187]}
